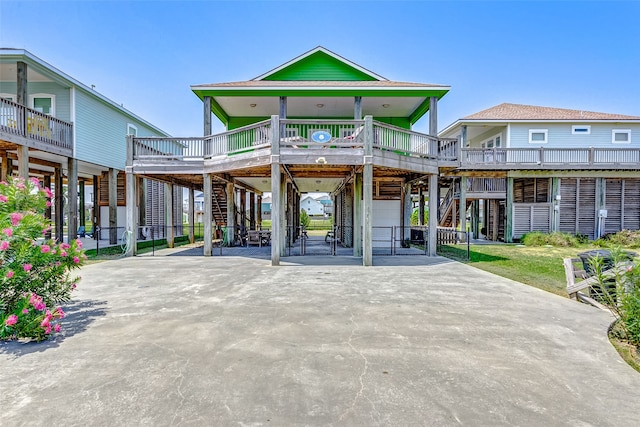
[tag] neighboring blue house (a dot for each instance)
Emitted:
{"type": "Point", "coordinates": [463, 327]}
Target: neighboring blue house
{"type": "Point", "coordinates": [527, 168]}
{"type": "Point", "coordinates": [57, 129]}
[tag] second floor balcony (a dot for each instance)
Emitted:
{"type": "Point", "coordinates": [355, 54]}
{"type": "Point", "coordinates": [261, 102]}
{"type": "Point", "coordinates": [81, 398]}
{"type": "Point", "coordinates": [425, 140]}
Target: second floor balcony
{"type": "Point", "coordinates": [26, 126]}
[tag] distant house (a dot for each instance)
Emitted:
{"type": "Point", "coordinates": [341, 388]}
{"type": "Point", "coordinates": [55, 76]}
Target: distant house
{"type": "Point", "coordinates": [312, 206]}
{"type": "Point", "coordinates": [266, 207]}
{"type": "Point", "coordinates": [527, 168]}
{"type": "Point", "coordinates": [327, 204]}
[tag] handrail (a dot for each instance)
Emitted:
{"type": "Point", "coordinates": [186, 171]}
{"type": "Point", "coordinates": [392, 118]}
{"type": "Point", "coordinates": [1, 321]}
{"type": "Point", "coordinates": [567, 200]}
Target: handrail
{"type": "Point", "coordinates": [446, 202]}
{"type": "Point", "coordinates": [408, 142]}
{"type": "Point", "coordinates": [550, 156]}
{"type": "Point", "coordinates": [22, 121]}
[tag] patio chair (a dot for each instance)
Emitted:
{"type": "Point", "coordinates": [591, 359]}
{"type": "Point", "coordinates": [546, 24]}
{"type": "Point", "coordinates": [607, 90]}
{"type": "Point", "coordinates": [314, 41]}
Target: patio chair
{"type": "Point", "coordinates": [254, 238]}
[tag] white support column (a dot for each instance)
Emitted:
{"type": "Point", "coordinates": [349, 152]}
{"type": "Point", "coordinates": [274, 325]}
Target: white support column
{"type": "Point", "coordinates": [275, 191]}
{"type": "Point", "coordinates": [433, 214]}
{"type": "Point", "coordinates": [207, 115]}
{"type": "Point", "coordinates": [207, 214]}
{"type": "Point", "coordinates": [357, 215]}
{"type": "Point", "coordinates": [367, 193]}
{"type": "Point", "coordinates": [168, 211]}
{"type": "Point", "coordinates": [357, 108]}
{"type": "Point", "coordinates": [132, 197]}
{"type": "Point", "coordinates": [283, 215]}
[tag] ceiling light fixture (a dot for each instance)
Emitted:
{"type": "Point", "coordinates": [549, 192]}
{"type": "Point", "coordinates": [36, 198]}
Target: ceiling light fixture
{"type": "Point", "coordinates": [385, 105]}
{"type": "Point", "coordinates": [319, 105]}
{"type": "Point", "coordinates": [252, 105]}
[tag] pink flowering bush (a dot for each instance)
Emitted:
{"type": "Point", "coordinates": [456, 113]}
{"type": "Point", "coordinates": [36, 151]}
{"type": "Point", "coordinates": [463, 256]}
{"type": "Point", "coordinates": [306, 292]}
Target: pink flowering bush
{"type": "Point", "coordinates": [35, 275]}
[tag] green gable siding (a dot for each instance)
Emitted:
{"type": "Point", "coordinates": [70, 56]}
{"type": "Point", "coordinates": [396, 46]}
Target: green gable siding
{"type": "Point", "coordinates": [101, 132]}
{"type": "Point", "coordinates": [319, 66]}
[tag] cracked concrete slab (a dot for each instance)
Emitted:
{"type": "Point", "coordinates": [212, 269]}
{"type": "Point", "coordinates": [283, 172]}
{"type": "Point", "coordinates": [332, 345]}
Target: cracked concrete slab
{"type": "Point", "coordinates": [232, 341]}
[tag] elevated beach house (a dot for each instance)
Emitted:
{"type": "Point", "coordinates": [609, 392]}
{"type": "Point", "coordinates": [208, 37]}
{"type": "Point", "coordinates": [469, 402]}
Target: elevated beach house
{"type": "Point", "coordinates": [61, 131]}
{"type": "Point", "coordinates": [525, 168]}
{"type": "Point", "coordinates": [318, 123]}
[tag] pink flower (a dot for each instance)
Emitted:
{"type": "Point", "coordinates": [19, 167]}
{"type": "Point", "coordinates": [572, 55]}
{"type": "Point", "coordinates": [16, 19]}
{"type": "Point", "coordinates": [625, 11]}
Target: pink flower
{"type": "Point", "coordinates": [11, 320]}
{"type": "Point", "coordinates": [15, 218]}
{"type": "Point", "coordinates": [4, 245]}
{"type": "Point", "coordinates": [20, 186]}
{"type": "Point", "coordinates": [58, 263]}
{"type": "Point", "coordinates": [48, 204]}
{"type": "Point", "coordinates": [73, 286]}
{"type": "Point", "coordinates": [10, 274]}
{"type": "Point", "coordinates": [8, 232]}
{"type": "Point", "coordinates": [27, 267]}
{"type": "Point", "coordinates": [48, 191]}
{"type": "Point", "coordinates": [47, 330]}
{"type": "Point", "coordinates": [25, 311]}
{"type": "Point", "coordinates": [40, 306]}
{"type": "Point", "coordinates": [59, 313]}
{"type": "Point", "coordinates": [79, 243]}
{"type": "Point", "coordinates": [63, 253]}
{"type": "Point", "coordinates": [76, 260]}
{"type": "Point", "coordinates": [45, 323]}
{"type": "Point", "coordinates": [57, 328]}
{"type": "Point", "coordinates": [64, 246]}
{"type": "Point", "coordinates": [45, 248]}
{"type": "Point", "coordinates": [35, 182]}
{"type": "Point", "coordinates": [3, 198]}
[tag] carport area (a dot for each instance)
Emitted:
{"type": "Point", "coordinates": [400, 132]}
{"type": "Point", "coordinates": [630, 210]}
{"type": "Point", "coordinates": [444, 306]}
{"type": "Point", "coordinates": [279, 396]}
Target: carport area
{"type": "Point", "coordinates": [192, 340]}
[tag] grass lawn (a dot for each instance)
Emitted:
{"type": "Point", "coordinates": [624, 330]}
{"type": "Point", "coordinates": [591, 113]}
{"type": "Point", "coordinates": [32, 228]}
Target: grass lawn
{"type": "Point", "coordinates": [536, 266]}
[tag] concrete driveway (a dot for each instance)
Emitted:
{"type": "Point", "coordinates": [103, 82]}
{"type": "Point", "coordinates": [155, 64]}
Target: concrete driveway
{"type": "Point", "coordinates": [229, 341]}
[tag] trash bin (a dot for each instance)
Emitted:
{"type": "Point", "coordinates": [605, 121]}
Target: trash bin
{"type": "Point", "coordinates": [607, 259]}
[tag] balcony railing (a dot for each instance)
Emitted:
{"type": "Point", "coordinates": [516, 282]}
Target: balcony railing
{"type": "Point", "coordinates": [296, 134]}
{"type": "Point", "coordinates": [486, 185]}
{"type": "Point", "coordinates": [18, 120]}
{"type": "Point", "coordinates": [550, 156]}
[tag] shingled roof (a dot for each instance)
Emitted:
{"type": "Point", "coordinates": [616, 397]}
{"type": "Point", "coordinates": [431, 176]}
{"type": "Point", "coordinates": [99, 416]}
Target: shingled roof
{"type": "Point", "coordinates": [508, 112]}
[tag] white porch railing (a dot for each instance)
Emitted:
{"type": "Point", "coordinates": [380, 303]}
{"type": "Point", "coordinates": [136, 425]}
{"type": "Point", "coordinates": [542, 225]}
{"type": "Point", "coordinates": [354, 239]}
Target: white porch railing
{"type": "Point", "coordinates": [403, 141]}
{"type": "Point", "coordinates": [18, 120]}
{"type": "Point", "coordinates": [550, 156]}
{"type": "Point", "coordinates": [321, 133]}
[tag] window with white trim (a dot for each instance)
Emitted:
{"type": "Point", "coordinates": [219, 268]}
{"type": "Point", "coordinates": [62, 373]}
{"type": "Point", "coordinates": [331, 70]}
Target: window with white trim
{"type": "Point", "coordinates": [538, 136]}
{"type": "Point", "coordinates": [132, 129]}
{"type": "Point", "coordinates": [621, 136]}
{"type": "Point", "coordinates": [494, 141]}
{"type": "Point", "coordinates": [43, 103]}
{"type": "Point", "coordinates": [8, 96]}
{"type": "Point", "coordinates": [581, 130]}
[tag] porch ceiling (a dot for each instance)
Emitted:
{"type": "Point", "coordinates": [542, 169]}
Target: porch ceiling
{"type": "Point", "coordinates": [8, 73]}
{"type": "Point", "coordinates": [319, 107]}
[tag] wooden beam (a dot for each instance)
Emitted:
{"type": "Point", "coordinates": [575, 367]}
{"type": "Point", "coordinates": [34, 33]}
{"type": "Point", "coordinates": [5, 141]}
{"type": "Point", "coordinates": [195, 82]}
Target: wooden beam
{"type": "Point", "coordinates": [72, 197]}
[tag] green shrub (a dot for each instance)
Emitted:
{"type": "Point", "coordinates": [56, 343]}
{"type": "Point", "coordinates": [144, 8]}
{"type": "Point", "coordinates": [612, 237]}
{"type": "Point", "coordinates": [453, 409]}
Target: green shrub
{"type": "Point", "coordinates": [621, 292]}
{"type": "Point", "coordinates": [626, 238]}
{"type": "Point", "coordinates": [415, 215]}
{"type": "Point", "coordinates": [304, 218]}
{"type": "Point", "coordinates": [556, 238]}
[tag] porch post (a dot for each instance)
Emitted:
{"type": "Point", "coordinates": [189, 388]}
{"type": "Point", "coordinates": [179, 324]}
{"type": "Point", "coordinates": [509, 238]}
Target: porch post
{"type": "Point", "coordinates": [357, 108]}
{"type": "Point", "coordinates": [283, 215]}
{"type": "Point", "coordinates": [275, 190]}
{"type": "Point", "coordinates": [259, 213]}
{"type": "Point", "coordinates": [95, 218]}
{"type": "Point", "coordinates": [463, 206]}
{"type": "Point", "coordinates": [47, 210]}
{"type": "Point", "coordinates": [191, 215]}
{"type": "Point", "coordinates": [420, 206]}
{"type": "Point", "coordinates": [4, 168]}
{"type": "Point", "coordinates": [252, 210]}
{"type": "Point", "coordinates": [243, 209]}
{"type": "Point", "coordinates": [141, 194]}
{"type": "Point", "coordinates": [168, 212]}
{"type": "Point", "coordinates": [113, 206]}
{"type": "Point", "coordinates": [508, 212]}
{"type": "Point", "coordinates": [406, 211]}
{"type": "Point", "coordinates": [283, 107]}
{"type": "Point", "coordinates": [207, 115]}
{"type": "Point", "coordinates": [601, 197]}
{"type": "Point", "coordinates": [82, 219]}
{"type": "Point", "coordinates": [433, 116]}
{"type": "Point", "coordinates": [23, 162]}
{"type": "Point", "coordinates": [357, 215]}
{"type": "Point", "coordinates": [367, 193]}
{"type": "Point", "coordinates": [433, 214]}
{"type": "Point", "coordinates": [463, 136]}
{"type": "Point", "coordinates": [22, 99]}
{"type": "Point", "coordinates": [231, 214]}
{"type": "Point", "coordinates": [72, 195]}
{"type": "Point", "coordinates": [207, 214]}
{"type": "Point", "coordinates": [132, 199]}
{"type": "Point", "coordinates": [59, 204]}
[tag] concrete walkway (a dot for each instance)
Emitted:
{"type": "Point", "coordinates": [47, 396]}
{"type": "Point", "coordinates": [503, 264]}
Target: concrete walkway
{"type": "Point", "coordinates": [229, 341]}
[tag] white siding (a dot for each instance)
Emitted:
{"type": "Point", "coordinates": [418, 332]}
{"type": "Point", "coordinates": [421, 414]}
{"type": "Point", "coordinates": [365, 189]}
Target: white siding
{"type": "Point", "coordinates": [386, 215]}
{"type": "Point", "coordinates": [560, 135]}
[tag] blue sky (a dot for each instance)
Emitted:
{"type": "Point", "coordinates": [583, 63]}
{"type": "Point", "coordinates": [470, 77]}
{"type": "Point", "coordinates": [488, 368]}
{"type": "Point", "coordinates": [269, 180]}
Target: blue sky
{"type": "Point", "coordinates": [145, 55]}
